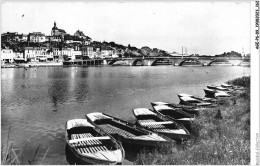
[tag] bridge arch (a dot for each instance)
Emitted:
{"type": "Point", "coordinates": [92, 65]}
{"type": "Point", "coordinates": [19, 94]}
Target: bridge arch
{"type": "Point", "coordinates": [113, 61]}
{"type": "Point", "coordinates": [136, 61]}
{"type": "Point", "coordinates": [190, 62]}
{"type": "Point", "coordinates": [155, 62]}
{"type": "Point", "coordinates": [220, 62]}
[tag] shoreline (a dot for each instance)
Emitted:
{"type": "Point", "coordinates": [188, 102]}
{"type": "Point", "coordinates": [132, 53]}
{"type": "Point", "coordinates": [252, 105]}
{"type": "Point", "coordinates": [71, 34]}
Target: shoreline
{"type": "Point", "coordinates": [215, 141]}
{"type": "Point", "coordinates": [28, 65]}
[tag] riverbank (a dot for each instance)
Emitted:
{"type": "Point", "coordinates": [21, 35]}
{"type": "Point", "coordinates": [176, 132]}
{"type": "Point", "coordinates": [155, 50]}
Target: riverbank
{"type": "Point", "coordinates": [221, 140]}
{"type": "Point", "coordinates": [33, 64]}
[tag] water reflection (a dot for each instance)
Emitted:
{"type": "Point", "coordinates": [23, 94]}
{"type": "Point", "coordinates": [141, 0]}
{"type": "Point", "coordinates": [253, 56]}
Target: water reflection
{"type": "Point", "coordinates": [81, 85]}
{"type": "Point", "coordinates": [58, 89]}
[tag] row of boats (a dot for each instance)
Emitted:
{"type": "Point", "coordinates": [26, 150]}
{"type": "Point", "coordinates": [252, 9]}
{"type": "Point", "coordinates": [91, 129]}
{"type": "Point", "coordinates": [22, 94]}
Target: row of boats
{"type": "Point", "coordinates": [98, 139]}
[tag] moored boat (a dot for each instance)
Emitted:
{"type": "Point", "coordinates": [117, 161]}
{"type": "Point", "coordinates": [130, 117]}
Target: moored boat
{"type": "Point", "coordinates": [215, 93]}
{"type": "Point", "coordinates": [126, 132]}
{"type": "Point", "coordinates": [186, 100]}
{"type": "Point", "coordinates": [206, 99]}
{"type": "Point", "coordinates": [233, 88]}
{"type": "Point", "coordinates": [227, 88]}
{"type": "Point", "coordinates": [220, 88]}
{"type": "Point", "coordinates": [177, 115]}
{"type": "Point", "coordinates": [227, 85]}
{"type": "Point", "coordinates": [160, 124]}
{"type": "Point", "coordinates": [192, 110]}
{"type": "Point", "coordinates": [92, 145]}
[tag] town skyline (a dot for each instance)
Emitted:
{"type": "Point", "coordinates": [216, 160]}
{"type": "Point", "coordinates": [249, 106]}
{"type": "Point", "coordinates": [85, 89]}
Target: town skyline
{"type": "Point", "coordinates": [220, 35]}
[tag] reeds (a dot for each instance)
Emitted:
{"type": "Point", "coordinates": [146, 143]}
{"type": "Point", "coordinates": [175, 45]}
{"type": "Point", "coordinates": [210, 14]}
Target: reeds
{"type": "Point", "coordinates": [12, 156]}
{"type": "Point", "coordinates": [215, 140]}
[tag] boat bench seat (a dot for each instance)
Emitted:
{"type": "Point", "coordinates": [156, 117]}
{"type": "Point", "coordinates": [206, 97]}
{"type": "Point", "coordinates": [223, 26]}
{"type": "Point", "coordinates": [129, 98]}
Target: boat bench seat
{"type": "Point", "coordinates": [115, 130]}
{"type": "Point", "coordinates": [151, 124]}
{"type": "Point", "coordinates": [93, 149]}
{"type": "Point", "coordinates": [86, 143]}
{"type": "Point", "coordinates": [87, 138]}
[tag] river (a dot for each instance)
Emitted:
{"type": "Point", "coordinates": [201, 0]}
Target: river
{"type": "Point", "coordinates": [36, 102]}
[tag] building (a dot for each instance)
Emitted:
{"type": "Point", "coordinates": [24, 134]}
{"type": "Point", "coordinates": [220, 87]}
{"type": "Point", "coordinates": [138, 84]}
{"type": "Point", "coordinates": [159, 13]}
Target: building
{"type": "Point", "coordinates": [9, 36]}
{"type": "Point", "coordinates": [80, 34]}
{"type": "Point", "coordinates": [85, 39]}
{"type": "Point", "coordinates": [32, 54]}
{"type": "Point", "coordinates": [55, 31]}
{"type": "Point", "coordinates": [23, 38]}
{"type": "Point", "coordinates": [7, 55]}
{"type": "Point", "coordinates": [36, 37]}
{"type": "Point", "coordinates": [106, 52]}
{"type": "Point", "coordinates": [54, 38]}
{"type": "Point", "coordinates": [87, 52]}
{"type": "Point", "coordinates": [19, 57]}
{"type": "Point", "coordinates": [49, 55]}
{"type": "Point", "coordinates": [57, 56]}
{"type": "Point", "coordinates": [68, 54]}
{"type": "Point", "coordinates": [78, 51]}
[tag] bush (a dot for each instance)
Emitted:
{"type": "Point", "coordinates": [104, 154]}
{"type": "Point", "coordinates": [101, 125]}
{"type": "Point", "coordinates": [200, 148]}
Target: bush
{"type": "Point", "coordinates": [242, 81]}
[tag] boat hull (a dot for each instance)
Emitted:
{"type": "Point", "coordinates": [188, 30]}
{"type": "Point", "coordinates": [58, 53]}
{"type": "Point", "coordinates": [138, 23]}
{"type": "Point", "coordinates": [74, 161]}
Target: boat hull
{"type": "Point", "coordinates": [91, 160]}
{"type": "Point", "coordinates": [136, 140]}
{"type": "Point", "coordinates": [115, 151]}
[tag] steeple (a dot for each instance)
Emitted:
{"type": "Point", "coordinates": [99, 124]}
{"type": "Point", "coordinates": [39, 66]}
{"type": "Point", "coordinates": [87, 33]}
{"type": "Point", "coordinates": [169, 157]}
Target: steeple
{"type": "Point", "coordinates": [55, 24]}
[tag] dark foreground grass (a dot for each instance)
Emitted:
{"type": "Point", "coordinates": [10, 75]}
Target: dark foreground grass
{"type": "Point", "coordinates": [215, 141]}
{"type": "Point", "coordinates": [11, 155]}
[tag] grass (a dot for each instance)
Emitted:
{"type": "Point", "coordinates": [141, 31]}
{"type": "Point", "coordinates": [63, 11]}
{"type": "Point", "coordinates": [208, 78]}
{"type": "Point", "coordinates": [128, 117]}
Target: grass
{"type": "Point", "coordinates": [214, 141]}
{"type": "Point", "coordinates": [13, 156]}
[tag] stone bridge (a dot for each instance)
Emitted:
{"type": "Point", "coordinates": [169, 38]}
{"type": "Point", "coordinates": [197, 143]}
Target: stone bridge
{"type": "Point", "coordinates": [176, 61]}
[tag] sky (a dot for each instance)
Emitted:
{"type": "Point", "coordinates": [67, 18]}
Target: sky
{"type": "Point", "coordinates": [205, 28]}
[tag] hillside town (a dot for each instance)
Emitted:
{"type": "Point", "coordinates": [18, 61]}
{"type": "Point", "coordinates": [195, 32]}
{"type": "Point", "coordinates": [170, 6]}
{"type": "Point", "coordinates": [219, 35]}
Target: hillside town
{"type": "Point", "coordinates": [61, 46]}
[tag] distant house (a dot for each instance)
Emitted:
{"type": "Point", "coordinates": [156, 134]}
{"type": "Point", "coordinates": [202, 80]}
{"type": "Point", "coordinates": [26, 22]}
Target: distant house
{"type": "Point", "coordinates": [87, 52]}
{"type": "Point", "coordinates": [80, 34]}
{"type": "Point", "coordinates": [7, 55]}
{"type": "Point", "coordinates": [23, 38]}
{"type": "Point", "coordinates": [36, 37]}
{"type": "Point", "coordinates": [56, 54]}
{"type": "Point", "coordinates": [32, 54]}
{"type": "Point", "coordinates": [106, 52]}
{"type": "Point", "coordinates": [55, 31]}
{"type": "Point", "coordinates": [54, 38]}
{"type": "Point", "coordinates": [9, 36]}
{"type": "Point", "coordinates": [68, 54]}
{"type": "Point", "coordinates": [85, 39]}
{"type": "Point", "coordinates": [78, 52]}
{"type": "Point", "coordinates": [19, 57]}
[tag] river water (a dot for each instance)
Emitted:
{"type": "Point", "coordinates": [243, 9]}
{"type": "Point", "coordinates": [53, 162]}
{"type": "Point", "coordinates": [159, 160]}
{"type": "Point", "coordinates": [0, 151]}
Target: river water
{"type": "Point", "coordinates": [36, 103]}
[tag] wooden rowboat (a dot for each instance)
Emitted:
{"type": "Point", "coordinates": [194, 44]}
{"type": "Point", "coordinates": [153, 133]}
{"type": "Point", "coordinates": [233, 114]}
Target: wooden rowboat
{"type": "Point", "coordinates": [220, 88]}
{"type": "Point", "coordinates": [91, 144]}
{"type": "Point", "coordinates": [215, 93]}
{"type": "Point", "coordinates": [160, 124]}
{"type": "Point", "coordinates": [205, 99]}
{"type": "Point", "coordinates": [177, 115]}
{"type": "Point", "coordinates": [186, 100]}
{"type": "Point", "coordinates": [192, 110]}
{"type": "Point", "coordinates": [227, 85]}
{"type": "Point", "coordinates": [126, 132]}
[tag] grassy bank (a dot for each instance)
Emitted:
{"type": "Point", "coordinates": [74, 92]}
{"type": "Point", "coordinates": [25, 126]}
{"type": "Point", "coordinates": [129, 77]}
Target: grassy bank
{"type": "Point", "coordinates": [11, 155]}
{"type": "Point", "coordinates": [218, 141]}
